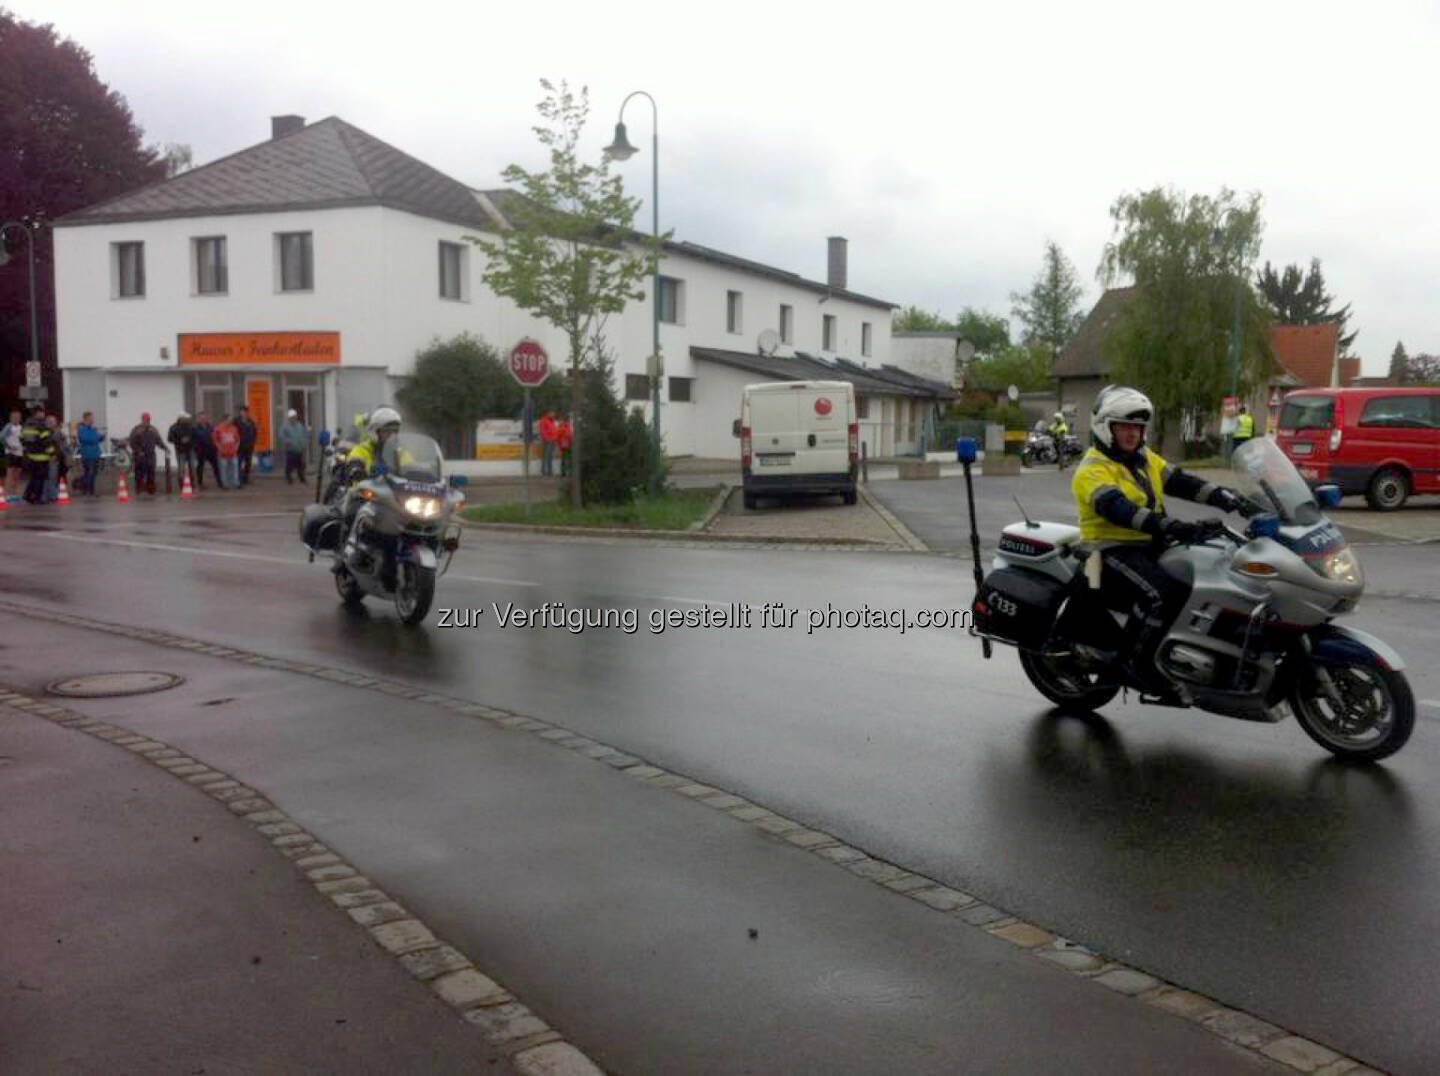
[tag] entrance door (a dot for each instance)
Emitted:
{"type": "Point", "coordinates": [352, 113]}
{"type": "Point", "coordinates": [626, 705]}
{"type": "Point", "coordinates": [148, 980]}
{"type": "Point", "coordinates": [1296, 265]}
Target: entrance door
{"type": "Point", "coordinates": [306, 401]}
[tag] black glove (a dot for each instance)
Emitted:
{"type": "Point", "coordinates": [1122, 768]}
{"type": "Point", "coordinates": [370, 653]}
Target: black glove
{"type": "Point", "coordinates": [1227, 500]}
{"type": "Point", "coordinates": [1181, 533]}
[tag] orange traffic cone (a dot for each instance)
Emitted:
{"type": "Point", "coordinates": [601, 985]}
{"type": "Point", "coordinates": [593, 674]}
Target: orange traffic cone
{"type": "Point", "coordinates": [63, 497]}
{"type": "Point", "coordinates": [122, 491]}
{"type": "Point", "coordinates": [187, 493]}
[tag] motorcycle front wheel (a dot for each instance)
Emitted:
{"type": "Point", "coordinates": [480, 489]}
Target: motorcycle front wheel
{"type": "Point", "coordinates": [1065, 682]}
{"type": "Point", "coordinates": [415, 592]}
{"type": "Point", "coordinates": [349, 590]}
{"type": "Point", "coordinates": [1364, 713]}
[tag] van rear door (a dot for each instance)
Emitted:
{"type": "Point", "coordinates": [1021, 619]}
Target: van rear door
{"type": "Point", "coordinates": [800, 428]}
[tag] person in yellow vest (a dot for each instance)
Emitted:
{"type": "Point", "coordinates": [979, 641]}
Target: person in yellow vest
{"type": "Point", "coordinates": [1059, 429]}
{"type": "Point", "coordinates": [1244, 427]}
{"type": "Point", "coordinates": [1120, 487]}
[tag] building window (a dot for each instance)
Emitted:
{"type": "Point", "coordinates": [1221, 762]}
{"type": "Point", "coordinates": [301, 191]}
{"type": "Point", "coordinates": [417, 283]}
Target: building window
{"type": "Point", "coordinates": [297, 261]}
{"type": "Point", "coordinates": [865, 338]}
{"type": "Point", "coordinates": [672, 300]}
{"type": "Point", "coordinates": [732, 312]}
{"type": "Point", "coordinates": [637, 387]}
{"type": "Point", "coordinates": [680, 389]}
{"type": "Point", "coordinates": [827, 338]}
{"type": "Point", "coordinates": [127, 270]}
{"type": "Point", "coordinates": [211, 272]}
{"type": "Point", "coordinates": [787, 324]}
{"type": "Point", "coordinates": [862, 407]}
{"type": "Point", "coordinates": [452, 271]}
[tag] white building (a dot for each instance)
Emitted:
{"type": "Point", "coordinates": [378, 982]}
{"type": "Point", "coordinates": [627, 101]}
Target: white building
{"type": "Point", "coordinates": [307, 272]}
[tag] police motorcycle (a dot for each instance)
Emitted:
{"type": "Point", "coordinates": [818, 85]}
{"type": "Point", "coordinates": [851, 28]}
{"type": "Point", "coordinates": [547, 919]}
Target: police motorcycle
{"type": "Point", "coordinates": [1255, 640]}
{"type": "Point", "coordinates": [1041, 446]}
{"type": "Point", "coordinates": [386, 533]}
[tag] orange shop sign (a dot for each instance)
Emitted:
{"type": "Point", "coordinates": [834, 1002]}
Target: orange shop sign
{"type": "Point", "coordinates": [259, 349]}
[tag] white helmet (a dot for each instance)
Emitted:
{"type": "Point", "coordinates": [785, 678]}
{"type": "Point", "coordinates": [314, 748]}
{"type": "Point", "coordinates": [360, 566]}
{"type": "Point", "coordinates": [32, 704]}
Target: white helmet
{"type": "Point", "coordinates": [382, 418]}
{"type": "Point", "coordinates": [1119, 403]}
{"type": "Point", "coordinates": [1060, 415]}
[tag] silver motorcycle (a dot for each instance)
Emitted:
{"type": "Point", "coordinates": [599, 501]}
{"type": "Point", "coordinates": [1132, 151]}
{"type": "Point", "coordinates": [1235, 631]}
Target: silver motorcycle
{"type": "Point", "coordinates": [1255, 639]}
{"type": "Point", "coordinates": [387, 534]}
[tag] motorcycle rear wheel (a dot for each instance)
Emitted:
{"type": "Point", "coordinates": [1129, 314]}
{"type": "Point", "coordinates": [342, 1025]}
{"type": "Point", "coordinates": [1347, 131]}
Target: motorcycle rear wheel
{"type": "Point", "coordinates": [414, 592]}
{"type": "Point", "coordinates": [1065, 682]}
{"type": "Point", "coordinates": [1372, 718]}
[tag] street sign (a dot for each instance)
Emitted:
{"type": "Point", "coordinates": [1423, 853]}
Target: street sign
{"type": "Point", "coordinates": [529, 364]}
{"type": "Point", "coordinates": [34, 392]}
{"type": "Point", "coordinates": [1275, 398]}
{"type": "Point", "coordinates": [32, 373]}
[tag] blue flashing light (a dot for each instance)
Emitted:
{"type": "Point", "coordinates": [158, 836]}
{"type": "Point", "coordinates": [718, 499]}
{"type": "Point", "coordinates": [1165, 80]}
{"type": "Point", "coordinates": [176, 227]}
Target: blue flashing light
{"type": "Point", "coordinates": [965, 449]}
{"type": "Point", "coordinates": [1263, 526]}
{"type": "Point", "coordinates": [1328, 495]}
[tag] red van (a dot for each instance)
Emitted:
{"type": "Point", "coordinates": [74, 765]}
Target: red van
{"type": "Point", "coordinates": [1382, 442]}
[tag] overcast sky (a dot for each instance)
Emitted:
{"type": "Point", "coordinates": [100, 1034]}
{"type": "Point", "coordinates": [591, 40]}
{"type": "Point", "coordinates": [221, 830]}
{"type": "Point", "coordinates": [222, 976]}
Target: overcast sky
{"type": "Point", "coordinates": [948, 143]}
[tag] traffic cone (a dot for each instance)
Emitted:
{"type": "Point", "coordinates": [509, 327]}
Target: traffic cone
{"type": "Point", "coordinates": [63, 497]}
{"type": "Point", "coordinates": [187, 492]}
{"type": "Point", "coordinates": [4, 501]}
{"type": "Point", "coordinates": [122, 491]}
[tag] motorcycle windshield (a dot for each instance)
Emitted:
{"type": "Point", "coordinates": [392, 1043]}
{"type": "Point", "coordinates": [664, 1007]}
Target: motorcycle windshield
{"type": "Point", "coordinates": [1265, 474]}
{"type": "Point", "coordinates": [413, 457]}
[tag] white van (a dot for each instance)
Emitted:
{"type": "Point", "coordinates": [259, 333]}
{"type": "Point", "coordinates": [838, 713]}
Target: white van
{"type": "Point", "coordinates": [798, 437]}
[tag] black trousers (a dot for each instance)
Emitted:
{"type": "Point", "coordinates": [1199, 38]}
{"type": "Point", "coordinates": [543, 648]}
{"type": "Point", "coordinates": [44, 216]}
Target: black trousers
{"type": "Point", "coordinates": [246, 451]}
{"type": "Point", "coordinates": [1132, 581]}
{"type": "Point", "coordinates": [39, 475]}
{"type": "Point", "coordinates": [213, 459]}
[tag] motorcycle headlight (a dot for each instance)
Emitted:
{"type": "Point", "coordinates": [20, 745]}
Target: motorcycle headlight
{"type": "Point", "coordinates": [1342, 567]}
{"type": "Point", "coordinates": [422, 507]}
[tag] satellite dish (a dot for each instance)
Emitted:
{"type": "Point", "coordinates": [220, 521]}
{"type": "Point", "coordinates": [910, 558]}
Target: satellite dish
{"type": "Point", "coordinates": [768, 341]}
{"type": "Point", "coordinates": [1013, 392]}
{"type": "Point", "coordinates": [964, 351]}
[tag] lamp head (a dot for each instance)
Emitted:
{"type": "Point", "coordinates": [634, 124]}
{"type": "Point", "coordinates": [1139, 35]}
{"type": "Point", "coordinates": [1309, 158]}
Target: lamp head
{"type": "Point", "coordinates": [620, 149]}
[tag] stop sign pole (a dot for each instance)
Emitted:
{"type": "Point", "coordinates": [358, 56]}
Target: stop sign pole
{"type": "Point", "coordinates": [530, 366]}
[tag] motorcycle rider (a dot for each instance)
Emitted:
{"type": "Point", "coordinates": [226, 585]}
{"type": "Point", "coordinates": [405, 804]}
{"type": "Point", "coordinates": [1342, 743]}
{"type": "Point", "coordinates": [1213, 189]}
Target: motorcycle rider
{"type": "Point", "coordinates": [1059, 429]}
{"type": "Point", "coordinates": [1119, 489]}
{"type": "Point", "coordinates": [363, 462]}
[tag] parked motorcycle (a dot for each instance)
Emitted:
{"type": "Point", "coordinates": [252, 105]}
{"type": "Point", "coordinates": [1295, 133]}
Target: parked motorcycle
{"type": "Point", "coordinates": [1041, 447]}
{"type": "Point", "coordinates": [1255, 639]}
{"type": "Point", "coordinates": [387, 533]}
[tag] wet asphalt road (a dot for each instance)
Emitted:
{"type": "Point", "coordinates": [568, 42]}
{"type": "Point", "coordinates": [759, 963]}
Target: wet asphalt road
{"type": "Point", "coordinates": [1231, 858]}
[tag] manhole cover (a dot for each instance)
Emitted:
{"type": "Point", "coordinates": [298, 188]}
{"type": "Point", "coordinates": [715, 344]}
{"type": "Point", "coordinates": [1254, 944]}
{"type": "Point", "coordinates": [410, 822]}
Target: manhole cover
{"type": "Point", "coordinates": [104, 685]}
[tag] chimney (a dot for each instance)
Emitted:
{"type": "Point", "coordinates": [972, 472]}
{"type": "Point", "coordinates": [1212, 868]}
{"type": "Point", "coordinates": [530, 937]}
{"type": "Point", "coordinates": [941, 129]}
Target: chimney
{"type": "Point", "coordinates": [835, 274]}
{"type": "Point", "coordinates": [280, 126]}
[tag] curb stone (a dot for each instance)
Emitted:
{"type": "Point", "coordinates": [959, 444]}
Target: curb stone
{"type": "Point", "coordinates": [469, 988]}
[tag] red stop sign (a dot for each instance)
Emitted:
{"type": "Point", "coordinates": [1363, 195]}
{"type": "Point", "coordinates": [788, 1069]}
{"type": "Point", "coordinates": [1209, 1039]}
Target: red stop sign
{"type": "Point", "coordinates": [529, 364]}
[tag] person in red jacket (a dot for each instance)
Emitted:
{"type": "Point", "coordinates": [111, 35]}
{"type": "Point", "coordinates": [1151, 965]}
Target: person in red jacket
{"type": "Point", "coordinates": [548, 433]}
{"type": "Point", "coordinates": [227, 445]}
{"type": "Point", "coordinates": [562, 442]}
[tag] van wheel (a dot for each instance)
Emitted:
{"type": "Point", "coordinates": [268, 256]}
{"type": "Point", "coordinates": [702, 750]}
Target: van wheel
{"type": "Point", "coordinates": [1388, 490]}
{"type": "Point", "coordinates": [750, 500]}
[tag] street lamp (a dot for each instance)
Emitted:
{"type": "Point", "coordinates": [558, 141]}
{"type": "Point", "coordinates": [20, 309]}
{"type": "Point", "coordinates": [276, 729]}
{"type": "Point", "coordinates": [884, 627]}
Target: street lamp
{"type": "Point", "coordinates": [622, 150]}
{"type": "Point", "coordinates": [1234, 349]}
{"type": "Point", "coordinates": [5, 260]}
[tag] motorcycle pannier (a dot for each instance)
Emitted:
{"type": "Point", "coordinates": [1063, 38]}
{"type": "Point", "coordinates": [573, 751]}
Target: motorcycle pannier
{"type": "Point", "coordinates": [313, 530]}
{"type": "Point", "coordinates": [1018, 605]}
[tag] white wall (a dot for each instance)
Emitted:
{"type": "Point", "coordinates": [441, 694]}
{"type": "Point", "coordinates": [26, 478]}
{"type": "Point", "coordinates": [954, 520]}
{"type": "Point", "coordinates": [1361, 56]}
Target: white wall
{"type": "Point", "coordinates": [925, 356]}
{"type": "Point", "coordinates": [376, 274]}
{"type": "Point", "coordinates": [130, 395]}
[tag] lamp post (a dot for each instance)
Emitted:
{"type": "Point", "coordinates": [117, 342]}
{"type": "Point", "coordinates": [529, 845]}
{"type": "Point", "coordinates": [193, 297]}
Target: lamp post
{"type": "Point", "coordinates": [622, 150]}
{"type": "Point", "coordinates": [1234, 342]}
{"type": "Point", "coordinates": [5, 259]}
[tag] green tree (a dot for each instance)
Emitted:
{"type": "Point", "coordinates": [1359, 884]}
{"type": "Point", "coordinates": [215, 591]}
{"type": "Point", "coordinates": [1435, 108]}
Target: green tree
{"type": "Point", "coordinates": [572, 258]}
{"type": "Point", "coordinates": [914, 320]}
{"type": "Point", "coordinates": [69, 141]}
{"type": "Point", "coordinates": [1189, 259]}
{"type": "Point", "coordinates": [988, 333]}
{"type": "Point", "coordinates": [618, 464]}
{"type": "Point", "coordinates": [1297, 298]}
{"type": "Point", "coordinates": [1050, 310]}
{"type": "Point", "coordinates": [1026, 366]}
{"type": "Point", "coordinates": [1399, 365]}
